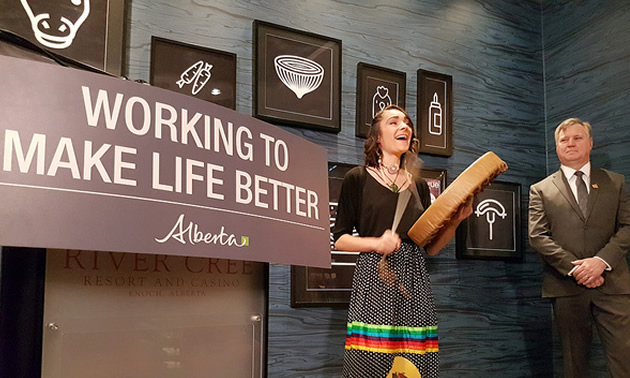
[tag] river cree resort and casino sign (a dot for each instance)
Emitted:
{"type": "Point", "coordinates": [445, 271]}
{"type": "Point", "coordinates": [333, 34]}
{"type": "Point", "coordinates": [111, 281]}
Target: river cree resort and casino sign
{"type": "Point", "coordinates": [98, 163]}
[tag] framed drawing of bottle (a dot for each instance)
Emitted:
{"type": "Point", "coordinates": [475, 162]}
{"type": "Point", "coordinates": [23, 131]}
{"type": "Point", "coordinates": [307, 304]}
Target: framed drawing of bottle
{"type": "Point", "coordinates": [435, 113]}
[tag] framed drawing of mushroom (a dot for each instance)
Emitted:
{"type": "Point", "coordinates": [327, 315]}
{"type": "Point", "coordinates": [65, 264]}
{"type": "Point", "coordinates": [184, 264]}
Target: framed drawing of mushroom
{"type": "Point", "coordinates": [90, 32]}
{"type": "Point", "coordinates": [297, 77]}
{"type": "Point", "coordinates": [197, 71]}
{"type": "Point", "coordinates": [377, 87]}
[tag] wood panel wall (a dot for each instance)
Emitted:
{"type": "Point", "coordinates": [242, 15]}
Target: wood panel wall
{"type": "Point", "coordinates": [586, 72]}
{"type": "Point", "coordinates": [492, 319]}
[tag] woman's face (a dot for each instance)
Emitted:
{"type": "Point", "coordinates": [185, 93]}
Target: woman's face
{"type": "Point", "coordinates": [395, 133]}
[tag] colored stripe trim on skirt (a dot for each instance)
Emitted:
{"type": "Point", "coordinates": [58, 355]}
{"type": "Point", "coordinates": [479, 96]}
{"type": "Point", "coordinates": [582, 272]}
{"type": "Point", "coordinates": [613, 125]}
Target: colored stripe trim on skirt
{"type": "Point", "coordinates": [391, 339]}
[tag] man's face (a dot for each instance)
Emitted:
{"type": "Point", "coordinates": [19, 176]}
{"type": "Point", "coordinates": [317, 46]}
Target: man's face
{"type": "Point", "coordinates": [574, 146]}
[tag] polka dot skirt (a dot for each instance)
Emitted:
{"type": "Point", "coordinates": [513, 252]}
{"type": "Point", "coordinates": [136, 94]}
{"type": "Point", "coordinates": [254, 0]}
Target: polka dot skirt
{"type": "Point", "coordinates": [389, 318]}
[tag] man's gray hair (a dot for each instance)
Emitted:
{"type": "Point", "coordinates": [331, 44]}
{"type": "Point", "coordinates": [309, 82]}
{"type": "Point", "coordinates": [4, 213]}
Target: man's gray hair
{"type": "Point", "coordinates": [570, 122]}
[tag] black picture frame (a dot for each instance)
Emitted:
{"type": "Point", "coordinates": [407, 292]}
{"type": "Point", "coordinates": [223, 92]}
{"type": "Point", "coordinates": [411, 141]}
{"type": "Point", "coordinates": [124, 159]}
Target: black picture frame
{"type": "Point", "coordinates": [435, 113]}
{"type": "Point", "coordinates": [311, 287]}
{"type": "Point", "coordinates": [91, 35]}
{"type": "Point", "coordinates": [197, 71]}
{"type": "Point", "coordinates": [436, 180]}
{"type": "Point", "coordinates": [297, 77]}
{"type": "Point", "coordinates": [493, 231]}
{"type": "Point", "coordinates": [377, 87]}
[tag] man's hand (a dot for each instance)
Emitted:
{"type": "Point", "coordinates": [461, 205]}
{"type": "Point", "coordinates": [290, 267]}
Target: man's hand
{"type": "Point", "coordinates": [596, 282]}
{"type": "Point", "coordinates": [589, 272]}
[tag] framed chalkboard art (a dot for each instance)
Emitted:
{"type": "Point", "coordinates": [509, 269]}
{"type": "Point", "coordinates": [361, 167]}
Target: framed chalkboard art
{"type": "Point", "coordinates": [326, 287]}
{"type": "Point", "coordinates": [436, 180]}
{"type": "Point", "coordinates": [435, 113]}
{"type": "Point", "coordinates": [197, 71]}
{"type": "Point", "coordinates": [297, 77]}
{"type": "Point", "coordinates": [90, 32]}
{"type": "Point", "coordinates": [377, 87]}
{"type": "Point", "coordinates": [493, 231]}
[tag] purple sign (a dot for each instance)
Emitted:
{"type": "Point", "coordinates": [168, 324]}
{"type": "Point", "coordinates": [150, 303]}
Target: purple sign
{"type": "Point", "coordinates": [98, 163]}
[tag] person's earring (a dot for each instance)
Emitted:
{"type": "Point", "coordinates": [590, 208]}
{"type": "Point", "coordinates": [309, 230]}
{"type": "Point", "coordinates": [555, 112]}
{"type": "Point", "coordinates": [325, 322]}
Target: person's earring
{"type": "Point", "coordinates": [414, 145]}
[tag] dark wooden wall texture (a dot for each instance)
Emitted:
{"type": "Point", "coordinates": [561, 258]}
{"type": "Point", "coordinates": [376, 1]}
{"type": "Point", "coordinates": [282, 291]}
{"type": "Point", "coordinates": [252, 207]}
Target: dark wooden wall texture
{"type": "Point", "coordinates": [586, 57]}
{"type": "Point", "coordinates": [519, 67]}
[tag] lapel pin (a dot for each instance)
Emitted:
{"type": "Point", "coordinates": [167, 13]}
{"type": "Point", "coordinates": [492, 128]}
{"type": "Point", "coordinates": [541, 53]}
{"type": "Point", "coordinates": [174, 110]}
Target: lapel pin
{"type": "Point", "coordinates": [595, 186]}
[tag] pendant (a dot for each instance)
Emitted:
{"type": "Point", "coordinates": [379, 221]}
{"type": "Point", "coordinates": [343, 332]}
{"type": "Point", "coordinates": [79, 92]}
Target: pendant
{"type": "Point", "coordinates": [394, 188]}
{"type": "Point", "coordinates": [392, 169]}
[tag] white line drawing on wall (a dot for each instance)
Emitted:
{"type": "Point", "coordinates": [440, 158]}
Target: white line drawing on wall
{"type": "Point", "coordinates": [485, 207]}
{"type": "Point", "coordinates": [189, 74]}
{"type": "Point", "coordinates": [202, 78]}
{"type": "Point", "coordinates": [332, 209]}
{"type": "Point", "coordinates": [56, 33]}
{"type": "Point", "coordinates": [299, 74]}
{"type": "Point", "coordinates": [199, 73]}
{"type": "Point", "coordinates": [332, 217]}
{"type": "Point", "coordinates": [435, 116]}
{"type": "Point", "coordinates": [380, 100]}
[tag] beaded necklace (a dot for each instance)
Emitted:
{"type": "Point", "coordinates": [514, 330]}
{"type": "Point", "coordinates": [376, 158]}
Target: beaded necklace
{"type": "Point", "coordinates": [391, 184]}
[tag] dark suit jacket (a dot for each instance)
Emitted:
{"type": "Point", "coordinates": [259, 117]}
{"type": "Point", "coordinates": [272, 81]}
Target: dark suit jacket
{"type": "Point", "coordinates": [560, 233]}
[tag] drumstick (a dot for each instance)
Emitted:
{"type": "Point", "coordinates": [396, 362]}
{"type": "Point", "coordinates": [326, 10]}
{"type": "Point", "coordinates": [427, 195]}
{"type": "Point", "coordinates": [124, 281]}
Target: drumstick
{"type": "Point", "coordinates": [385, 273]}
{"type": "Point", "coordinates": [403, 198]}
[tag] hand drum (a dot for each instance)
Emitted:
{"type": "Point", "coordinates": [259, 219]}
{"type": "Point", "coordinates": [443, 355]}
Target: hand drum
{"type": "Point", "coordinates": [470, 182]}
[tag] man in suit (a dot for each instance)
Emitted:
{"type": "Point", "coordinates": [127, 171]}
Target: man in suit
{"type": "Point", "coordinates": [579, 223]}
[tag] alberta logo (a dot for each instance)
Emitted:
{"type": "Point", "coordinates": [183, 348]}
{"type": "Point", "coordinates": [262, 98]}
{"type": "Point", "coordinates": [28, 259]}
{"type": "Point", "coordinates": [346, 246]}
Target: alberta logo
{"type": "Point", "coordinates": [192, 234]}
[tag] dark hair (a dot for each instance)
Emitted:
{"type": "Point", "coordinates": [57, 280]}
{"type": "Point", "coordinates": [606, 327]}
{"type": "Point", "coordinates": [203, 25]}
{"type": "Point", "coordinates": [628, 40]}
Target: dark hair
{"type": "Point", "coordinates": [373, 150]}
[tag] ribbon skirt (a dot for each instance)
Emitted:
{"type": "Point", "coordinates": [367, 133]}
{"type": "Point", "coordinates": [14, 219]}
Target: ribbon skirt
{"type": "Point", "coordinates": [391, 318]}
